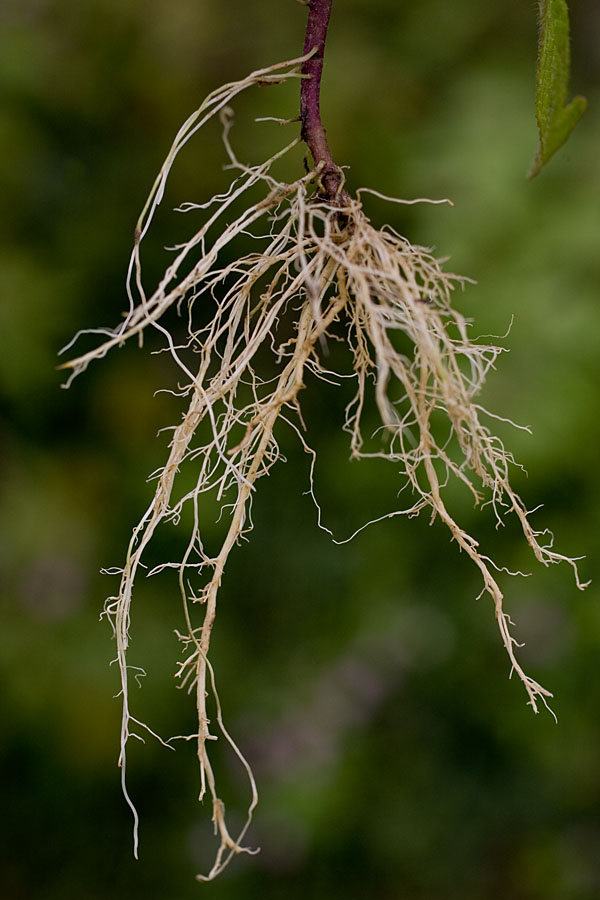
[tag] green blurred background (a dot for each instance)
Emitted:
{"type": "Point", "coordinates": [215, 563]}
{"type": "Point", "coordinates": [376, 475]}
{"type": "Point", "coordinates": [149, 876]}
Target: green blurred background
{"type": "Point", "coordinates": [365, 682]}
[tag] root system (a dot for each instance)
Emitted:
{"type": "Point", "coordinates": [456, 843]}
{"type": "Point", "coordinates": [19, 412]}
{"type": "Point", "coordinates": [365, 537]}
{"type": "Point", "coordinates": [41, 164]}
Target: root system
{"type": "Point", "coordinates": [322, 268]}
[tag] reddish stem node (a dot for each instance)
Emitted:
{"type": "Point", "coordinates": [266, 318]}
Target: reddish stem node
{"type": "Point", "coordinates": [313, 131]}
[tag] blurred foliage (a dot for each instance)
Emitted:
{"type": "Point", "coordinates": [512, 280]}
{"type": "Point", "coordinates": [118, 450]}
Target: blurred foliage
{"type": "Point", "coordinates": [366, 683]}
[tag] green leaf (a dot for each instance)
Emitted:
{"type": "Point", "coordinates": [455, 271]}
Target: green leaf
{"type": "Point", "coordinates": [555, 119]}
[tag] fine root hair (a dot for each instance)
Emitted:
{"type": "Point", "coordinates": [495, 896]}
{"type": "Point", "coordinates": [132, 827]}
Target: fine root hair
{"type": "Point", "coordinates": [263, 286]}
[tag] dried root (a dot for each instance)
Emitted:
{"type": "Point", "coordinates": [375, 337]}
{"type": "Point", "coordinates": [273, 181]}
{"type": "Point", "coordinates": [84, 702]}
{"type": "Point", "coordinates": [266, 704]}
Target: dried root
{"type": "Point", "coordinates": [318, 269]}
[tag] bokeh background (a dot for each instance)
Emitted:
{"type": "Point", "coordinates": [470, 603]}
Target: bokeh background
{"type": "Point", "coordinates": [365, 682]}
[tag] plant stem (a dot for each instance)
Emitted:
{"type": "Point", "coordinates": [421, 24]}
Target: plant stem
{"type": "Point", "coordinates": [313, 131]}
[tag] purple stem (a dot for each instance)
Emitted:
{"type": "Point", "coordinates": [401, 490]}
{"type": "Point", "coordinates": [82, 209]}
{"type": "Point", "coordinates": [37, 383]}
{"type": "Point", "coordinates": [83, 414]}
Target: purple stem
{"type": "Point", "coordinates": [313, 132]}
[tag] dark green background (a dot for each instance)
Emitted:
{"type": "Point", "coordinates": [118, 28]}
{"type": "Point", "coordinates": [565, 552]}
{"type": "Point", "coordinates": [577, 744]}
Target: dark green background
{"type": "Point", "coordinates": [365, 682]}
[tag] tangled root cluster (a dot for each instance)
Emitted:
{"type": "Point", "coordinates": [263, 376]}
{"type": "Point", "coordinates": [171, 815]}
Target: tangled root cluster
{"type": "Point", "coordinates": [322, 267]}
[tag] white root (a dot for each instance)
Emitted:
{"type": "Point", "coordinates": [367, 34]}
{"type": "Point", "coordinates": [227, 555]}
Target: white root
{"type": "Point", "coordinates": [317, 271]}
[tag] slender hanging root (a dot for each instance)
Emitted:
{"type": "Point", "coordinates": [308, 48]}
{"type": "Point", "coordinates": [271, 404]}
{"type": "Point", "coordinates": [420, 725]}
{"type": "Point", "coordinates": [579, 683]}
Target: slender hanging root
{"type": "Point", "coordinates": [317, 269]}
